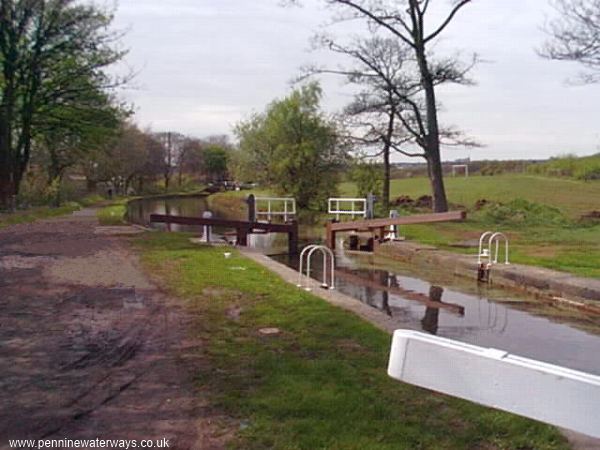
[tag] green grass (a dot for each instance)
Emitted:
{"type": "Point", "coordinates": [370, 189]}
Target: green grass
{"type": "Point", "coordinates": [113, 214]}
{"type": "Point", "coordinates": [573, 197]}
{"type": "Point", "coordinates": [322, 382]}
{"type": "Point", "coordinates": [33, 214]}
{"type": "Point", "coordinates": [553, 239]}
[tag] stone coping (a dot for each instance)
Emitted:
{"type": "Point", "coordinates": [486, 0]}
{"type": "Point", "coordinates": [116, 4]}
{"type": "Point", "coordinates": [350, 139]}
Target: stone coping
{"type": "Point", "coordinates": [534, 280]}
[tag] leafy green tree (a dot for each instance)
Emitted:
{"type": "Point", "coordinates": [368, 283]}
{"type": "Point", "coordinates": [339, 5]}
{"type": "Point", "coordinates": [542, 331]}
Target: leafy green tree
{"type": "Point", "coordinates": [53, 53]}
{"type": "Point", "coordinates": [69, 133]}
{"type": "Point", "coordinates": [215, 158]}
{"type": "Point", "coordinates": [292, 147]}
{"type": "Point", "coordinates": [367, 177]}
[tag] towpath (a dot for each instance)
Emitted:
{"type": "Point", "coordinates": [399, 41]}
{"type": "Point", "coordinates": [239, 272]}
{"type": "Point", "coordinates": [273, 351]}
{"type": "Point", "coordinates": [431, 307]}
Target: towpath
{"type": "Point", "coordinates": [89, 347]}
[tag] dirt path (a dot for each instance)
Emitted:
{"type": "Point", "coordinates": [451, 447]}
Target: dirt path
{"type": "Point", "coordinates": [89, 348]}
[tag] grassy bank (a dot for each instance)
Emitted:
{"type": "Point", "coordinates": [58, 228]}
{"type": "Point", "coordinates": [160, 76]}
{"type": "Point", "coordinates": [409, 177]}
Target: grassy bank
{"type": "Point", "coordinates": [113, 214]}
{"type": "Point", "coordinates": [33, 214]}
{"type": "Point", "coordinates": [552, 236]}
{"type": "Point", "coordinates": [321, 382]}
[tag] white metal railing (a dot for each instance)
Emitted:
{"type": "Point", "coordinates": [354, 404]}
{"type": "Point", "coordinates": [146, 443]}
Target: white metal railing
{"type": "Point", "coordinates": [287, 207]}
{"type": "Point", "coordinates": [494, 237]}
{"type": "Point", "coordinates": [335, 207]}
{"type": "Point", "coordinates": [552, 394]}
{"type": "Point", "coordinates": [308, 251]}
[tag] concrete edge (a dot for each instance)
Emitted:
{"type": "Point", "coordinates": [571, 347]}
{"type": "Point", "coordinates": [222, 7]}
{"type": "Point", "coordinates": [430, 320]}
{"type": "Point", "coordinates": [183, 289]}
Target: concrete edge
{"type": "Point", "coordinates": [366, 312]}
{"type": "Point", "coordinates": [537, 281]}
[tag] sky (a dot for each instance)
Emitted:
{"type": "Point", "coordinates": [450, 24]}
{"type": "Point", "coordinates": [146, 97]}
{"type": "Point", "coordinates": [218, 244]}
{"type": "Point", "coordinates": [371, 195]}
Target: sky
{"type": "Point", "coordinates": [204, 65]}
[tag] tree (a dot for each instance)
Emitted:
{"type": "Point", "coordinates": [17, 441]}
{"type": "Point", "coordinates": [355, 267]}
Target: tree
{"type": "Point", "coordinates": [47, 47]}
{"type": "Point", "coordinates": [215, 158]}
{"type": "Point", "coordinates": [386, 113]}
{"type": "Point", "coordinates": [292, 147]}
{"type": "Point", "coordinates": [69, 132]}
{"type": "Point", "coordinates": [575, 36]}
{"type": "Point", "coordinates": [408, 21]}
{"type": "Point", "coordinates": [366, 177]}
{"type": "Point", "coordinates": [374, 118]}
{"type": "Point", "coordinates": [172, 145]}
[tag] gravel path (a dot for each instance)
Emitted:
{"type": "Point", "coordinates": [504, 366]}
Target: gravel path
{"type": "Point", "coordinates": [89, 348]}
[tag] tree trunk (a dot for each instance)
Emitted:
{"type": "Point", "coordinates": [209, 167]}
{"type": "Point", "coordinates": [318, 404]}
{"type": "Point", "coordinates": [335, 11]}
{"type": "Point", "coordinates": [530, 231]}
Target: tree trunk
{"type": "Point", "coordinates": [7, 162]}
{"type": "Point", "coordinates": [436, 179]}
{"type": "Point", "coordinates": [432, 140]}
{"type": "Point", "coordinates": [58, 197]}
{"type": "Point", "coordinates": [90, 185]}
{"type": "Point", "coordinates": [385, 194]}
{"type": "Point", "coordinates": [386, 161]}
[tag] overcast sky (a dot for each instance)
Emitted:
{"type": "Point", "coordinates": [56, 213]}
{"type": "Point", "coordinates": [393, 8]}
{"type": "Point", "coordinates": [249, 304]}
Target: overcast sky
{"type": "Point", "coordinates": [205, 64]}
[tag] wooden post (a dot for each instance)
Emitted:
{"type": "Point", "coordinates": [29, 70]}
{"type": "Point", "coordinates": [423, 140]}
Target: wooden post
{"type": "Point", "coordinates": [242, 236]}
{"type": "Point", "coordinates": [329, 236]}
{"type": "Point", "coordinates": [251, 201]}
{"type": "Point", "coordinates": [293, 238]}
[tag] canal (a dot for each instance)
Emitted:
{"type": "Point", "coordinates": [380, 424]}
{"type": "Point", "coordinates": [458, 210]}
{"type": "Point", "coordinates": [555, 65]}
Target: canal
{"type": "Point", "coordinates": [468, 311]}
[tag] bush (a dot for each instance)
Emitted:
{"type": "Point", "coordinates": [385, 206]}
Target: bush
{"type": "Point", "coordinates": [367, 177]}
{"type": "Point", "coordinates": [588, 173]}
{"type": "Point", "coordinates": [523, 212]}
{"type": "Point", "coordinates": [584, 168]}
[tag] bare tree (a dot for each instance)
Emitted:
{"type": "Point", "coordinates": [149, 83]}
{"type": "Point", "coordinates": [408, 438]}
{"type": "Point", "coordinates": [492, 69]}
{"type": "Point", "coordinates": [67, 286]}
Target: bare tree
{"type": "Point", "coordinates": [407, 21]}
{"type": "Point", "coordinates": [172, 145]}
{"type": "Point", "coordinates": [373, 120]}
{"type": "Point", "coordinates": [388, 113]}
{"type": "Point", "coordinates": [575, 36]}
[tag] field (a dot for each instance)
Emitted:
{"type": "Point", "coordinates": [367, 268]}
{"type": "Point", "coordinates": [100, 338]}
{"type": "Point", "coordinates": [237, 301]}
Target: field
{"type": "Point", "coordinates": [542, 218]}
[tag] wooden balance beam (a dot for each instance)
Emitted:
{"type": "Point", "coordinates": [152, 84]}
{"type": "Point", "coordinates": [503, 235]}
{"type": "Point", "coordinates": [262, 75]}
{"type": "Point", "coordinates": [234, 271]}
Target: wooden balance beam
{"type": "Point", "coordinates": [379, 225]}
{"type": "Point", "coordinates": [243, 228]}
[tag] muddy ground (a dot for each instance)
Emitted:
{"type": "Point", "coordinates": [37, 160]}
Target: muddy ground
{"type": "Point", "coordinates": [89, 347]}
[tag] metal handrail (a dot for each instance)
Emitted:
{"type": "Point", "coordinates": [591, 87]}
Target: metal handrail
{"type": "Point", "coordinates": [496, 237]}
{"type": "Point", "coordinates": [287, 203]}
{"type": "Point", "coordinates": [325, 251]}
{"type": "Point", "coordinates": [480, 253]}
{"type": "Point", "coordinates": [352, 212]}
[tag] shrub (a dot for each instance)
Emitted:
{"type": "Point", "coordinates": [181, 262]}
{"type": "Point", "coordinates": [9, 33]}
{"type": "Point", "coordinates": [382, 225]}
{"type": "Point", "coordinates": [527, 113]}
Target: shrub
{"type": "Point", "coordinates": [523, 212]}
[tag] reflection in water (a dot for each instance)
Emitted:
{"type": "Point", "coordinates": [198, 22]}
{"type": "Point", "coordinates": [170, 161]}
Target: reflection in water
{"type": "Point", "coordinates": [489, 319]}
{"type": "Point", "coordinates": [430, 320]}
{"type": "Point", "coordinates": [139, 211]}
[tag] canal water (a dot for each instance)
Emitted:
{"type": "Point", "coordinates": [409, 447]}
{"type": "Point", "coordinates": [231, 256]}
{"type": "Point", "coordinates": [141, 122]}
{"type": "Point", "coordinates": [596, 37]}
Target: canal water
{"type": "Point", "coordinates": [470, 312]}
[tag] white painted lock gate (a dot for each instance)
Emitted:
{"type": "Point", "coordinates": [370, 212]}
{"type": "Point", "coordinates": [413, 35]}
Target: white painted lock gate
{"type": "Point", "coordinates": [552, 394]}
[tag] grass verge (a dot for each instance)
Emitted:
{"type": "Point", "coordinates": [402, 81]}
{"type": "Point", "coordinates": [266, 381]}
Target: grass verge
{"type": "Point", "coordinates": [320, 383]}
{"type": "Point", "coordinates": [33, 214]}
{"type": "Point", "coordinates": [113, 214]}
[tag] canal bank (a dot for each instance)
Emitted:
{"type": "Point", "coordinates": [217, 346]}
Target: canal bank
{"type": "Point", "coordinates": [537, 281]}
{"type": "Point", "coordinates": [385, 322]}
{"type": "Point", "coordinates": [294, 371]}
